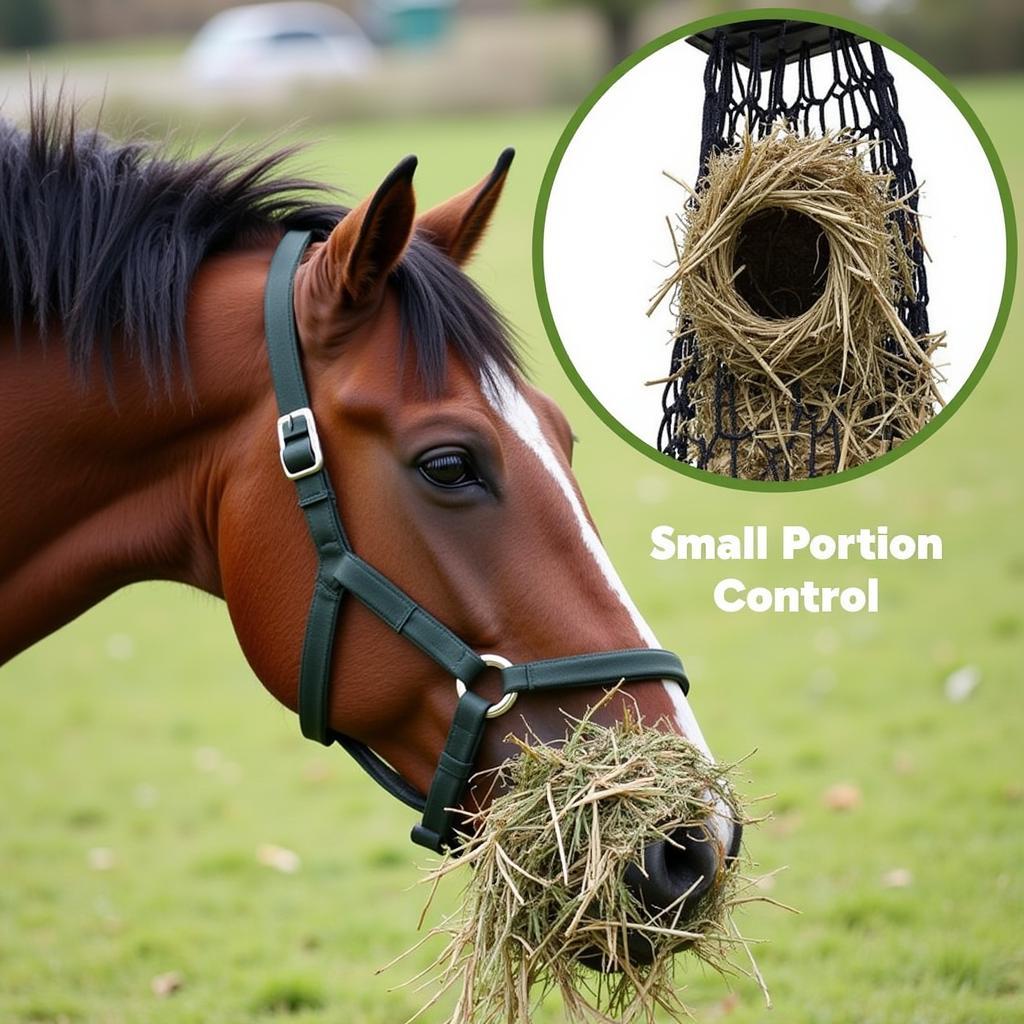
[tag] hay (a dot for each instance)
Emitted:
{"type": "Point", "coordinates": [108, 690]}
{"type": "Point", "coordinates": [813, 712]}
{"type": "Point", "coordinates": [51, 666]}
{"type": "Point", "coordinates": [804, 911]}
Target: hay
{"type": "Point", "coordinates": [546, 893]}
{"type": "Point", "coordinates": [790, 274]}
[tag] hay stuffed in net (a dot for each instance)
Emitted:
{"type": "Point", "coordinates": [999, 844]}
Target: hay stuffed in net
{"type": "Point", "coordinates": [546, 895]}
{"type": "Point", "coordinates": [790, 274]}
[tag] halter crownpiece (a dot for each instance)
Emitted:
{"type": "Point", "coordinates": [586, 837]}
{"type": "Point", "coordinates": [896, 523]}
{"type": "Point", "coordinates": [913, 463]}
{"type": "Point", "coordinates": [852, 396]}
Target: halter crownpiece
{"type": "Point", "coordinates": [340, 570]}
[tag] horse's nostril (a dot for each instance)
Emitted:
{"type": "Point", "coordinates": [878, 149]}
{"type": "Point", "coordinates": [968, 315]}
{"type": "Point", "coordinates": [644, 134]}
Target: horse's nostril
{"type": "Point", "coordinates": [677, 872]}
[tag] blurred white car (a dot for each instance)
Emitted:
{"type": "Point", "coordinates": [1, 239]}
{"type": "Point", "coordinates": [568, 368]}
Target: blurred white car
{"type": "Point", "coordinates": [278, 42]}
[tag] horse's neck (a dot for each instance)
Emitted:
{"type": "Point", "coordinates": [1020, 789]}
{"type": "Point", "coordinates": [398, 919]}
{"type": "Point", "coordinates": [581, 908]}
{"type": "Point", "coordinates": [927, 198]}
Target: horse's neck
{"type": "Point", "coordinates": [97, 493]}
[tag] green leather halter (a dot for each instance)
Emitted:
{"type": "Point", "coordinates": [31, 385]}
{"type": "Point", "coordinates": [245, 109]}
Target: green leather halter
{"type": "Point", "coordinates": [342, 571]}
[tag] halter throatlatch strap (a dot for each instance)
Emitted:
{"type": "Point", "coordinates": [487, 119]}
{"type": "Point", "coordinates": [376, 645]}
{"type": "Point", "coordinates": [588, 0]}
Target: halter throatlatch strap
{"type": "Point", "coordinates": [341, 571]}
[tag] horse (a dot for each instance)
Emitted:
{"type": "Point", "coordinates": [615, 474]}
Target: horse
{"type": "Point", "coordinates": [144, 439]}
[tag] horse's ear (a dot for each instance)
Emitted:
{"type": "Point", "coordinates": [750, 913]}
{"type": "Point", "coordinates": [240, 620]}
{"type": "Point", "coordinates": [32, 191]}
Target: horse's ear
{"type": "Point", "coordinates": [457, 225]}
{"type": "Point", "coordinates": [369, 241]}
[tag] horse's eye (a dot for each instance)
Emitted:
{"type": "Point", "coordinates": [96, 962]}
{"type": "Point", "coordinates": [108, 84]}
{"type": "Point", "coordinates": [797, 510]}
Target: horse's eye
{"type": "Point", "coordinates": [449, 468]}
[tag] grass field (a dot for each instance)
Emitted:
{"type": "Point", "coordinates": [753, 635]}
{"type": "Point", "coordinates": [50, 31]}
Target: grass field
{"type": "Point", "coordinates": [141, 765]}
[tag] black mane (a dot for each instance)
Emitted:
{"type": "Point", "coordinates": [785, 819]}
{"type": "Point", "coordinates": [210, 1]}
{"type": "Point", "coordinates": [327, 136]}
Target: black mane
{"type": "Point", "coordinates": [101, 240]}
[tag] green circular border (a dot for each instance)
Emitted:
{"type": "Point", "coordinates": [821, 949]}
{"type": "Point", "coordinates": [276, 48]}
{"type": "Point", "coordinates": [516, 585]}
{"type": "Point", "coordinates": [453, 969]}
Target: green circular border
{"type": "Point", "coordinates": [753, 14]}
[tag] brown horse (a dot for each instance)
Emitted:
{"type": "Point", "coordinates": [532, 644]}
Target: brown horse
{"type": "Point", "coordinates": [139, 441]}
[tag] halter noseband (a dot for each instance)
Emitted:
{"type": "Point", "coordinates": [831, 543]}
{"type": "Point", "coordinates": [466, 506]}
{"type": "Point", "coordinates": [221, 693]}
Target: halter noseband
{"type": "Point", "coordinates": [341, 570]}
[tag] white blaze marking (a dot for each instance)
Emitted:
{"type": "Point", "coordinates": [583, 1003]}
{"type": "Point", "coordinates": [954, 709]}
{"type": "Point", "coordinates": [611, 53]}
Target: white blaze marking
{"type": "Point", "coordinates": [517, 413]}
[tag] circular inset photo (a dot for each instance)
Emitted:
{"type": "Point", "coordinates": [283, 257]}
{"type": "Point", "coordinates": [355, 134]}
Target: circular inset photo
{"type": "Point", "coordinates": [775, 251]}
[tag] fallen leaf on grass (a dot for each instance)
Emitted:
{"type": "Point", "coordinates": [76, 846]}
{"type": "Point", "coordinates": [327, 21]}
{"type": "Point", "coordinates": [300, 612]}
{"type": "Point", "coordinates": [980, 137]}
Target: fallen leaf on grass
{"type": "Point", "coordinates": [279, 858]}
{"type": "Point", "coordinates": [785, 824]}
{"type": "Point", "coordinates": [826, 641]}
{"type": "Point", "coordinates": [166, 984]}
{"type": "Point", "coordinates": [146, 796]}
{"type": "Point", "coordinates": [897, 878]}
{"type": "Point", "coordinates": [962, 683]}
{"type": "Point", "coordinates": [101, 858]}
{"type": "Point", "coordinates": [317, 771]}
{"type": "Point", "coordinates": [207, 759]}
{"type": "Point", "coordinates": [843, 796]}
{"type": "Point", "coordinates": [120, 647]}
{"type": "Point", "coordinates": [725, 1006]}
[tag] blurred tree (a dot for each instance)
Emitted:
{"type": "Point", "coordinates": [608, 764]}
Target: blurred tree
{"type": "Point", "coordinates": [619, 17]}
{"type": "Point", "coordinates": [25, 23]}
{"type": "Point", "coordinates": [984, 35]}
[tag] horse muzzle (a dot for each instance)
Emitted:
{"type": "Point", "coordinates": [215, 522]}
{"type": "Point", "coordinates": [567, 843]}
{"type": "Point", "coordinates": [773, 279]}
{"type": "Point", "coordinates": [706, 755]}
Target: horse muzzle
{"type": "Point", "coordinates": [676, 875]}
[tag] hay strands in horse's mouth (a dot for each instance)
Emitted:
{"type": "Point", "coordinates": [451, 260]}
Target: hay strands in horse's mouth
{"type": "Point", "coordinates": [546, 898]}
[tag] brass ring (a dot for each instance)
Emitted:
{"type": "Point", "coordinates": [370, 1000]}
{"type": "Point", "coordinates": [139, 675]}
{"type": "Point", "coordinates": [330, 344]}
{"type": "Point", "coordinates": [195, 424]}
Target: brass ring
{"type": "Point", "coordinates": [499, 708]}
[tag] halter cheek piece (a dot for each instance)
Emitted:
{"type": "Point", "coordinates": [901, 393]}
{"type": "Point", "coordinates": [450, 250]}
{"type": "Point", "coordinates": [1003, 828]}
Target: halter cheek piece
{"type": "Point", "coordinates": [341, 570]}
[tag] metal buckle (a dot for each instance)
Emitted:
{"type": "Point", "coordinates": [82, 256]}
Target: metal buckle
{"type": "Point", "coordinates": [499, 708]}
{"type": "Point", "coordinates": [286, 425]}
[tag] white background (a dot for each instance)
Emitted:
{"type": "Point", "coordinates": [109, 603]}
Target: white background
{"type": "Point", "coordinates": [605, 233]}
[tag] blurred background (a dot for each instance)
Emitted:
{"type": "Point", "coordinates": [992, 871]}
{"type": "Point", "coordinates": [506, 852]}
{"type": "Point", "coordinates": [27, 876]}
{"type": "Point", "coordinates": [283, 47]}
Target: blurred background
{"type": "Point", "coordinates": [173, 852]}
{"type": "Point", "coordinates": [374, 58]}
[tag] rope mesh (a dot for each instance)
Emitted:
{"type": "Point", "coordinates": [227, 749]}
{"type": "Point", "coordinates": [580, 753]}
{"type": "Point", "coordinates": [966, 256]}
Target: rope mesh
{"type": "Point", "coordinates": [859, 96]}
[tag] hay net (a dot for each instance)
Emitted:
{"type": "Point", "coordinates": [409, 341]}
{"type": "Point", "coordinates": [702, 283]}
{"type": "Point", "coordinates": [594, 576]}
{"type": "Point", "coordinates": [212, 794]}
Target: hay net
{"type": "Point", "coordinates": [759, 83]}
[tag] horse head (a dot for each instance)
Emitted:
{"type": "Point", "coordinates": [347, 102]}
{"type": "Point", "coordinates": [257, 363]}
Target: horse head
{"type": "Point", "coordinates": [315, 414]}
{"type": "Point", "coordinates": [453, 480]}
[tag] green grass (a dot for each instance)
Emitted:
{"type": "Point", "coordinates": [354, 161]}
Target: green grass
{"type": "Point", "coordinates": [95, 52]}
{"type": "Point", "coordinates": [163, 747]}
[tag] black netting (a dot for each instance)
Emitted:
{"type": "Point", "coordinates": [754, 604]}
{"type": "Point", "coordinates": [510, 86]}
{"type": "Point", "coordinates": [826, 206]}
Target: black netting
{"type": "Point", "coordinates": [850, 87]}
